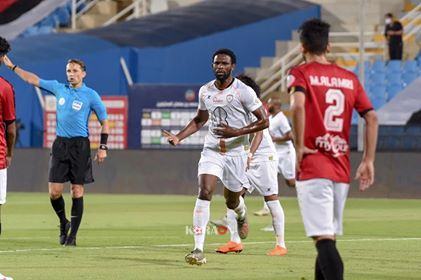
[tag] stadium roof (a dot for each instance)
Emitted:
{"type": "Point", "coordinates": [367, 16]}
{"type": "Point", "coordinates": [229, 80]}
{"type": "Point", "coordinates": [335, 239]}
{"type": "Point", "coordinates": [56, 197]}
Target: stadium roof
{"type": "Point", "coordinates": [202, 19]}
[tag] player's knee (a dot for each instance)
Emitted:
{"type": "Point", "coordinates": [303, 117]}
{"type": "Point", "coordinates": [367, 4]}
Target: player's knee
{"type": "Point", "coordinates": [76, 191]}
{"type": "Point", "coordinates": [205, 193]}
{"type": "Point", "coordinates": [231, 203]}
{"type": "Point", "coordinates": [322, 237]}
{"type": "Point", "coordinates": [55, 193]}
{"type": "Point", "coordinates": [272, 197]}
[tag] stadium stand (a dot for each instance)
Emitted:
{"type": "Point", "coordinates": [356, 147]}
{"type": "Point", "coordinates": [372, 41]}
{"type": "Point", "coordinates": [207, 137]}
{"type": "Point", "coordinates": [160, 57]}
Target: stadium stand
{"type": "Point", "coordinates": [160, 48]}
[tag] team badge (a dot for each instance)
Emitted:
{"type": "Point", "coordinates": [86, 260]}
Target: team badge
{"type": "Point", "coordinates": [77, 105]}
{"type": "Point", "coordinates": [229, 98]}
{"type": "Point", "coordinates": [290, 80]}
{"type": "Point", "coordinates": [61, 101]}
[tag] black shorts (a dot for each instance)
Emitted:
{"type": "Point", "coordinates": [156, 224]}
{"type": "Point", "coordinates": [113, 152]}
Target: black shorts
{"type": "Point", "coordinates": [70, 160]}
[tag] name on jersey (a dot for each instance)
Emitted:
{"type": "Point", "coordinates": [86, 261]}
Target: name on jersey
{"type": "Point", "coordinates": [333, 144]}
{"type": "Point", "coordinates": [331, 82]}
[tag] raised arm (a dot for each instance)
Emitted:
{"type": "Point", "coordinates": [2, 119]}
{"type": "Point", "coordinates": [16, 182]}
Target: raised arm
{"type": "Point", "coordinates": [192, 127]}
{"type": "Point", "coordinates": [28, 77]}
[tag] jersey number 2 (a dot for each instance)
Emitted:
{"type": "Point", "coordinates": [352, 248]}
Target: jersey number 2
{"type": "Point", "coordinates": [336, 100]}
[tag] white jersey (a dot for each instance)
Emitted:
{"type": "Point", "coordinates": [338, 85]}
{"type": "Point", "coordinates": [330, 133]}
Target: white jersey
{"type": "Point", "coordinates": [266, 149]}
{"type": "Point", "coordinates": [231, 106]}
{"type": "Point", "coordinates": [279, 127]}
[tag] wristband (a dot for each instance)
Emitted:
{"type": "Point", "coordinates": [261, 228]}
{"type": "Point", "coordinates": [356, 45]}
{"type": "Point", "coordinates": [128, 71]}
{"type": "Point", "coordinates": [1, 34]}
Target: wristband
{"type": "Point", "coordinates": [104, 138]}
{"type": "Point", "coordinates": [103, 147]}
{"type": "Point", "coordinates": [14, 67]}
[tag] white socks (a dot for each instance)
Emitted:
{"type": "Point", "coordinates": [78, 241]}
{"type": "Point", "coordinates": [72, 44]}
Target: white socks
{"type": "Point", "coordinates": [241, 208]}
{"type": "Point", "coordinates": [265, 207]}
{"type": "Point", "coordinates": [278, 221]}
{"type": "Point", "coordinates": [200, 221]}
{"type": "Point", "coordinates": [232, 225]}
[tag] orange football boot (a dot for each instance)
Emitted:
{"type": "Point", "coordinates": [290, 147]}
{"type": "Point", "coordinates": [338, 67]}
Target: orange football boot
{"type": "Point", "coordinates": [278, 251]}
{"type": "Point", "coordinates": [230, 247]}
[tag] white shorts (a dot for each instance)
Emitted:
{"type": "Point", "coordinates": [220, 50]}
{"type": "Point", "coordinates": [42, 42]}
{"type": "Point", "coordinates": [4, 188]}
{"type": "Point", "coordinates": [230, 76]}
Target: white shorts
{"type": "Point", "coordinates": [322, 204]}
{"type": "Point", "coordinates": [3, 185]}
{"type": "Point", "coordinates": [231, 170]}
{"type": "Point", "coordinates": [263, 176]}
{"type": "Point", "coordinates": [286, 163]}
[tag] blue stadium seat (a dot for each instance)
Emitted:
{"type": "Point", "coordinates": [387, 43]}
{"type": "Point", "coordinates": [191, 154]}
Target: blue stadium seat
{"type": "Point", "coordinates": [377, 91]}
{"type": "Point", "coordinates": [394, 78]}
{"type": "Point", "coordinates": [408, 77]}
{"type": "Point", "coordinates": [378, 102]}
{"type": "Point", "coordinates": [393, 90]}
{"type": "Point", "coordinates": [367, 68]}
{"type": "Point", "coordinates": [378, 78]}
{"type": "Point", "coordinates": [393, 66]}
{"type": "Point", "coordinates": [378, 67]}
{"type": "Point", "coordinates": [410, 66]}
{"type": "Point", "coordinates": [45, 30]}
{"type": "Point", "coordinates": [63, 15]}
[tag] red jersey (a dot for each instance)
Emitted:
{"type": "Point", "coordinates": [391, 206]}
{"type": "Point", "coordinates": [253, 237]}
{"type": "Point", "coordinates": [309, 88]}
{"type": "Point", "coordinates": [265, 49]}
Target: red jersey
{"type": "Point", "coordinates": [331, 94]}
{"type": "Point", "coordinates": [7, 114]}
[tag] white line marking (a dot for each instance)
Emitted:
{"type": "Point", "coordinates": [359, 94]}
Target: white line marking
{"type": "Point", "coordinates": [209, 244]}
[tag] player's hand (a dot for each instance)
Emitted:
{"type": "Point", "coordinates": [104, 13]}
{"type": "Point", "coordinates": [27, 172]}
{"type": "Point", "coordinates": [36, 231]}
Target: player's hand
{"type": "Point", "coordinates": [365, 173]}
{"type": "Point", "coordinates": [7, 62]}
{"type": "Point", "coordinates": [249, 159]}
{"type": "Point", "coordinates": [8, 161]}
{"type": "Point", "coordinates": [100, 156]}
{"type": "Point", "coordinates": [225, 131]}
{"type": "Point", "coordinates": [300, 152]}
{"type": "Point", "coordinates": [171, 138]}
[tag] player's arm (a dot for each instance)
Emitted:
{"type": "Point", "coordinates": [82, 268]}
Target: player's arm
{"type": "Point", "coordinates": [28, 77]}
{"type": "Point", "coordinates": [9, 117]}
{"type": "Point", "coordinates": [279, 140]}
{"type": "Point", "coordinates": [298, 120]}
{"type": "Point", "coordinates": [10, 140]}
{"type": "Point", "coordinates": [298, 123]}
{"type": "Point", "coordinates": [365, 172]}
{"type": "Point", "coordinates": [192, 127]}
{"type": "Point", "coordinates": [255, 143]}
{"type": "Point", "coordinates": [103, 148]}
{"type": "Point", "coordinates": [261, 123]}
{"type": "Point", "coordinates": [101, 112]}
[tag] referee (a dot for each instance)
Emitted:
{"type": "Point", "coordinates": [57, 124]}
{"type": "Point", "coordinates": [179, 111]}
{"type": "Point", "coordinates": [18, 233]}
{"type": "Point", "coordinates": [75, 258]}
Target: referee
{"type": "Point", "coordinates": [71, 154]}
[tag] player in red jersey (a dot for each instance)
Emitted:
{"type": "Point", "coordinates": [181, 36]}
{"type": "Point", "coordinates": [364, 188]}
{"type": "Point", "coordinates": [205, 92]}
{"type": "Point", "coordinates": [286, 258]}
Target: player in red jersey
{"type": "Point", "coordinates": [323, 96]}
{"type": "Point", "coordinates": [7, 126]}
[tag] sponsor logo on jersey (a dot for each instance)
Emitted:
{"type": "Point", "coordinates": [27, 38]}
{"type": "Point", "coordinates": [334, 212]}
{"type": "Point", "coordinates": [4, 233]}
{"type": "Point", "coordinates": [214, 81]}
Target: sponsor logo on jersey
{"type": "Point", "coordinates": [77, 105]}
{"type": "Point", "coordinates": [61, 101]}
{"type": "Point", "coordinates": [333, 144]}
{"type": "Point", "coordinates": [217, 100]}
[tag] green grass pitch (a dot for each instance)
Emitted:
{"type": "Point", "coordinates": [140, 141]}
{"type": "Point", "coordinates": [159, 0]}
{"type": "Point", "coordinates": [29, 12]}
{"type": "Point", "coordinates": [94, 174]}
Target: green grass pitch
{"type": "Point", "coordinates": [146, 237]}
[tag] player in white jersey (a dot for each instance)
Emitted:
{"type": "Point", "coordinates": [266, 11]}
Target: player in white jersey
{"type": "Point", "coordinates": [281, 133]}
{"type": "Point", "coordinates": [262, 174]}
{"type": "Point", "coordinates": [228, 104]}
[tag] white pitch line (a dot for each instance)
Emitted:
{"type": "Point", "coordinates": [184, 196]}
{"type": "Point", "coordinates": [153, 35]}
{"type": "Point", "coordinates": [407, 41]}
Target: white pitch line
{"type": "Point", "coordinates": [303, 241]}
{"type": "Point", "coordinates": [209, 244]}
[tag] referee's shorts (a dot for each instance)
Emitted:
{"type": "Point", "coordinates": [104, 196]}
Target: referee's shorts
{"type": "Point", "coordinates": [70, 160]}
